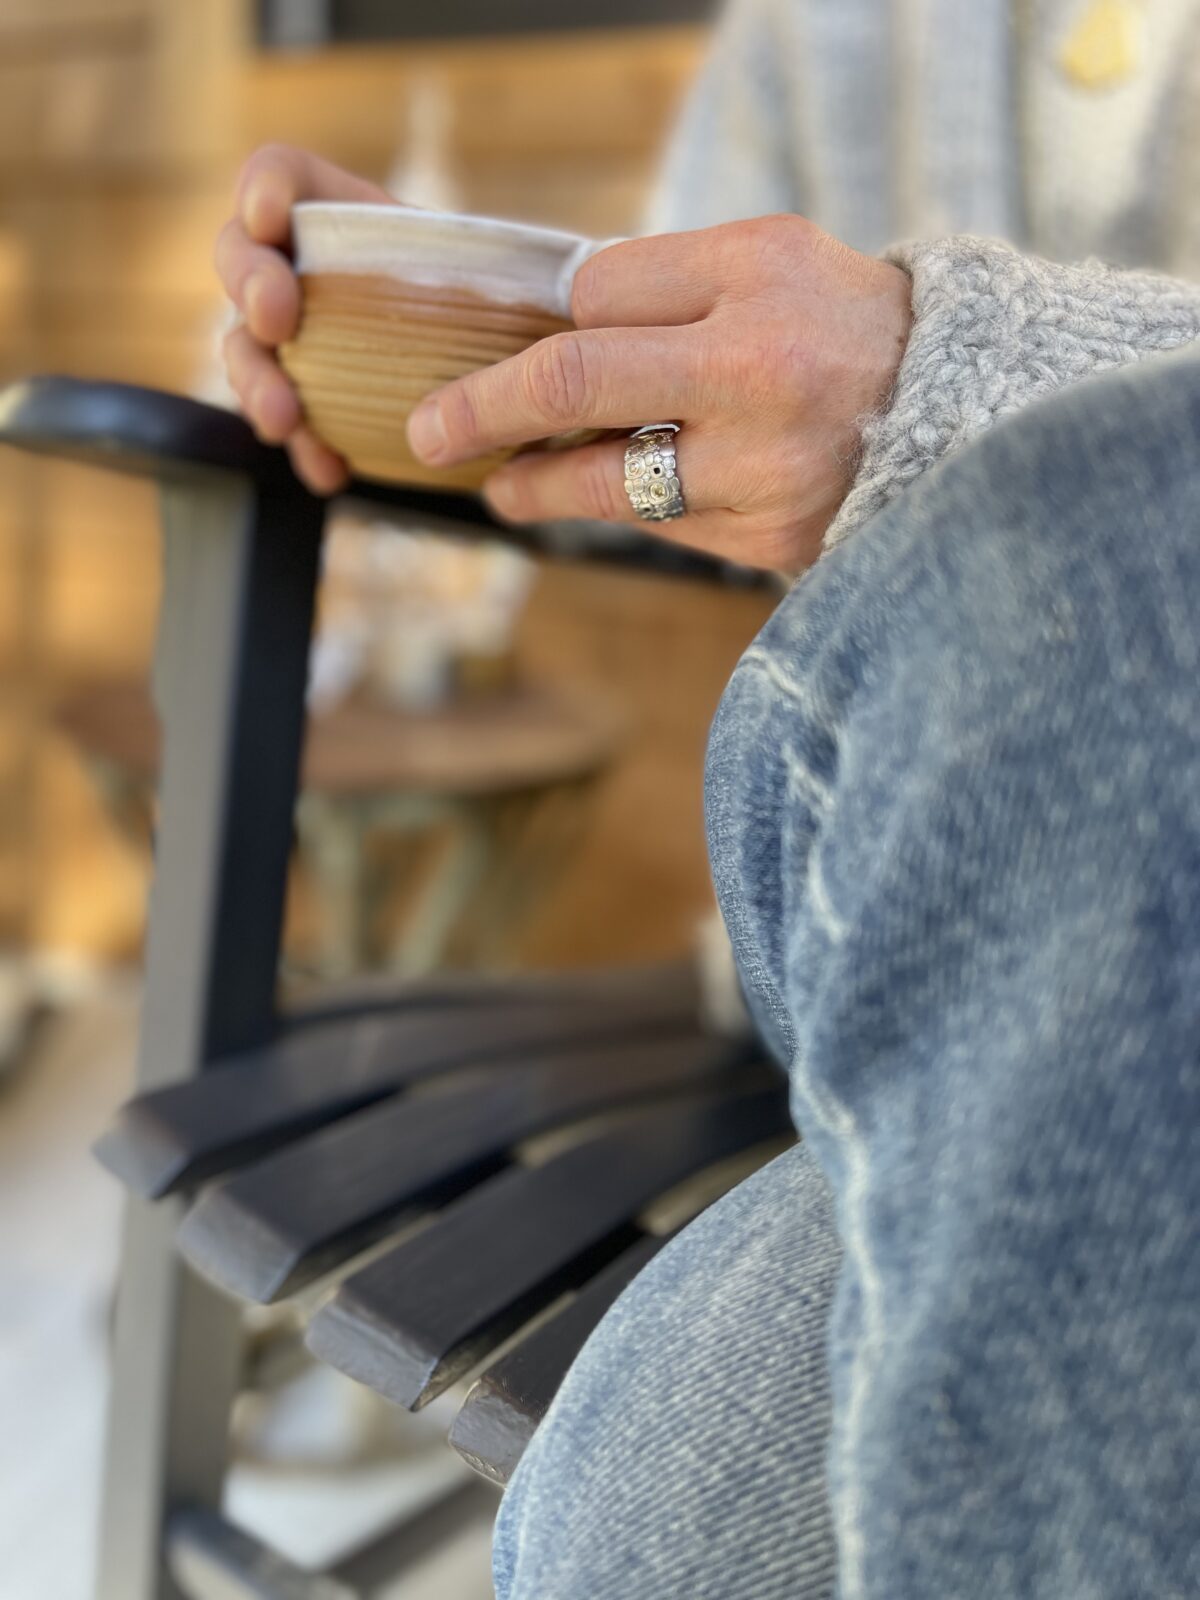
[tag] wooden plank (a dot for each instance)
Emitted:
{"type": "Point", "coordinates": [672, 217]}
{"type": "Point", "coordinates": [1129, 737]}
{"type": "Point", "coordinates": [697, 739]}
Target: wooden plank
{"type": "Point", "coordinates": [21, 18]}
{"type": "Point", "coordinates": [177, 1136]}
{"type": "Point", "coordinates": [575, 96]}
{"type": "Point", "coordinates": [504, 1407]}
{"type": "Point", "coordinates": [291, 1216]}
{"type": "Point", "coordinates": [128, 240]}
{"type": "Point", "coordinates": [349, 105]}
{"type": "Point", "coordinates": [127, 98]}
{"type": "Point", "coordinates": [420, 1316]}
{"type": "Point", "coordinates": [91, 111]}
{"type": "Point", "coordinates": [199, 50]}
{"type": "Point", "coordinates": [571, 96]}
{"type": "Point", "coordinates": [105, 343]}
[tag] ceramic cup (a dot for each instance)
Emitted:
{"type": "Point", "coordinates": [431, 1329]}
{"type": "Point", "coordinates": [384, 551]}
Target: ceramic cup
{"type": "Point", "coordinates": [398, 302]}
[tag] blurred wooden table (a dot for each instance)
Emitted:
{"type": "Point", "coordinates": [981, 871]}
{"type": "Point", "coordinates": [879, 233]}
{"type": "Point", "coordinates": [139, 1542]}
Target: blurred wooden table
{"type": "Point", "coordinates": [507, 776]}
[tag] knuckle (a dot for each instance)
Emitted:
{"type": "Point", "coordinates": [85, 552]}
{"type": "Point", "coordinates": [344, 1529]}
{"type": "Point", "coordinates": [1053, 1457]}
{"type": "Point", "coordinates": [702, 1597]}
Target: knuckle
{"type": "Point", "coordinates": [784, 232]}
{"type": "Point", "coordinates": [769, 248]}
{"type": "Point", "coordinates": [560, 376]}
{"type": "Point", "coordinates": [791, 227]}
{"type": "Point", "coordinates": [746, 243]}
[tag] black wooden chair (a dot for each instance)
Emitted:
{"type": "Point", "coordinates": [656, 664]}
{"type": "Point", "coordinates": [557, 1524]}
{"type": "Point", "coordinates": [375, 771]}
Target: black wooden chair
{"type": "Point", "coordinates": [381, 1155]}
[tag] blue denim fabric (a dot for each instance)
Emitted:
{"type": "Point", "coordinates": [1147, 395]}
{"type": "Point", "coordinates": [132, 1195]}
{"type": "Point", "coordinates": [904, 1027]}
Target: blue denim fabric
{"type": "Point", "coordinates": [685, 1453]}
{"type": "Point", "coordinates": [954, 816]}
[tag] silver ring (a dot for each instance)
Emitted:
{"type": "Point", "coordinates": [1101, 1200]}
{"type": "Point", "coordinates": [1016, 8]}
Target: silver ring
{"type": "Point", "coordinates": [651, 480]}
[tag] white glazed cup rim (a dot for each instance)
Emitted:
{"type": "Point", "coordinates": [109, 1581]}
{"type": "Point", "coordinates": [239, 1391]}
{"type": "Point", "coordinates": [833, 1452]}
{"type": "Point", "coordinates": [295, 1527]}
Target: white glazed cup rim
{"type": "Point", "coordinates": [510, 262]}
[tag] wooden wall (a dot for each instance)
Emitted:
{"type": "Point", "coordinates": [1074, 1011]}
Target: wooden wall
{"type": "Point", "coordinates": [115, 154]}
{"type": "Point", "coordinates": [121, 125]}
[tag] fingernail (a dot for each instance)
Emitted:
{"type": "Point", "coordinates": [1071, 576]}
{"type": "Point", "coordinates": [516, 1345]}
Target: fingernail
{"type": "Point", "coordinates": [427, 434]}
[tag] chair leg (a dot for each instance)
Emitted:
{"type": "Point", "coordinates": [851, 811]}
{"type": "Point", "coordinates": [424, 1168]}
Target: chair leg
{"type": "Point", "coordinates": [240, 575]}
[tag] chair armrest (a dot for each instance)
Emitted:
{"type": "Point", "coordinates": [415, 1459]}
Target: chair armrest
{"type": "Point", "coordinates": [143, 432]}
{"type": "Point", "coordinates": [153, 434]}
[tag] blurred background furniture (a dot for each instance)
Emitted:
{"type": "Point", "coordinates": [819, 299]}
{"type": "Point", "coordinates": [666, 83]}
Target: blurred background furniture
{"type": "Point", "coordinates": [506, 779]}
{"type": "Point", "coordinates": [319, 1128]}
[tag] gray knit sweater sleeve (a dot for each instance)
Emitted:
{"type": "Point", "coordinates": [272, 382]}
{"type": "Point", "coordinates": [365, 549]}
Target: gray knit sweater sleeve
{"type": "Point", "coordinates": [994, 329]}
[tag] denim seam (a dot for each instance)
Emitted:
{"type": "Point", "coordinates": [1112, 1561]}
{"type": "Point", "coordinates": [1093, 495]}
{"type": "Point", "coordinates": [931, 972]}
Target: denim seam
{"type": "Point", "coordinates": [826, 913]}
{"type": "Point", "coordinates": [783, 681]}
{"type": "Point", "coordinates": [802, 777]}
{"type": "Point", "coordinates": [838, 1121]}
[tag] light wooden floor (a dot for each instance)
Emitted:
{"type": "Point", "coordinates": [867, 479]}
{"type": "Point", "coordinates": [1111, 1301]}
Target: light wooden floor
{"type": "Point", "coordinates": [58, 1222]}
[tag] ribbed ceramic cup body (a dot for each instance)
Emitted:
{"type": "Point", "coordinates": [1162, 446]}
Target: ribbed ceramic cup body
{"type": "Point", "coordinates": [397, 303]}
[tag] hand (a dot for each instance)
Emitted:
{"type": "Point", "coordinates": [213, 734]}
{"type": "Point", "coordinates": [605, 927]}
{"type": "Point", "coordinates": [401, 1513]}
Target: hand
{"type": "Point", "coordinates": [252, 259]}
{"type": "Point", "coordinates": [768, 341]}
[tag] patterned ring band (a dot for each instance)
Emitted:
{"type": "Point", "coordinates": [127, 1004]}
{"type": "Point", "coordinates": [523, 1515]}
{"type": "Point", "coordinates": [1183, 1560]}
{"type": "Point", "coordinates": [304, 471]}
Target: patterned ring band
{"type": "Point", "coordinates": [651, 480]}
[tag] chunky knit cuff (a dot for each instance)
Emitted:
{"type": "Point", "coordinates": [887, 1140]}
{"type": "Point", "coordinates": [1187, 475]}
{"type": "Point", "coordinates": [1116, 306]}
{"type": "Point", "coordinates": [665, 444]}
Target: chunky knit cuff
{"type": "Point", "coordinates": [993, 330]}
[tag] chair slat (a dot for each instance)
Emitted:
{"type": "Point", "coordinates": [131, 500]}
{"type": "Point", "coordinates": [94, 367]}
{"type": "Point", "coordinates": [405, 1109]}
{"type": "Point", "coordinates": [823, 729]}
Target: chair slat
{"type": "Point", "coordinates": [279, 1223]}
{"type": "Point", "coordinates": [672, 983]}
{"type": "Point", "coordinates": [504, 1408]}
{"type": "Point", "coordinates": [177, 1136]}
{"type": "Point", "coordinates": [417, 1318]}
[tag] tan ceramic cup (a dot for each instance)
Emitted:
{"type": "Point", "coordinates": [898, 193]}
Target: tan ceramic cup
{"type": "Point", "coordinates": [398, 302]}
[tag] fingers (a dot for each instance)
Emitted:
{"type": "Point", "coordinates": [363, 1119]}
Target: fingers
{"type": "Point", "coordinates": [267, 398]}
{"type": "Point", "coordinates": [669, 279]}
{"type": "Point", "coordinates": [276, 177]}
{"type": "Point", "coordinates": [589, 482]}
{"type": "Point", "coordinates": [315, 463]}
{"type": "Point", "coordinates": [609, 378]}
{"type": "Point", "coordinates": [662, 281]}
{"type": "Point", "coordinates": [260, 282]}
{"type": "Point", "coordinates": [250, 254]}
{"type": "Point", "coordinates": [251, 261]}
{"type": "Point", "coordinates": [271, 406]}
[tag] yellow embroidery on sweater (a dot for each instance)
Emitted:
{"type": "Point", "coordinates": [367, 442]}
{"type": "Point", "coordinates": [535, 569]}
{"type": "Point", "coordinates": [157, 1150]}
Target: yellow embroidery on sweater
{"type": "Point", "coordinates": [1108, 45]}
